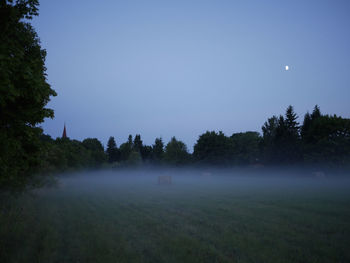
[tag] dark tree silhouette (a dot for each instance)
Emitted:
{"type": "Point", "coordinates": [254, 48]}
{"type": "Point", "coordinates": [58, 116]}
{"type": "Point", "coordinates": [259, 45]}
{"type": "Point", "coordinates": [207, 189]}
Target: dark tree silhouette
{"type": "Point", "coordinates": [158, 150]}
{"type": "Point", "coordinates": [292, 125]}
{"type": "Point", "coordinates": [328, 141]}
{"type": "Point", "coordinates": [130, 140]}
{"type": "Point", "coordinates": [96, 151]}
{"type": "Point", "coordinates": [112, 150]}
{"type": "Point", "coordinates": [306, 126]}
{"type": "Point", "coordinates": [316, 113]}
{"type": "Point", "coordinates": [281, 139]}
{"type": "Point", "coordinates": [246, 147]}
{"type": "Point", "coordinates": [137, 145]}
{"type": "Point", "coordinates": [269, 130]}
{"type": "Point", "coordinates": [24, 91]}
{"type": "Point", "coordinates": [213, 148]}
{"type": "Point", "coordinates": [176, 153]}
{"type": "Point", "coordinates": [126, 149]}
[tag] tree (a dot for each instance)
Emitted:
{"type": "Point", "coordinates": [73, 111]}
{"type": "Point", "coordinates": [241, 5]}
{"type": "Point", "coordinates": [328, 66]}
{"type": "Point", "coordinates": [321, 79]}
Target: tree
{"type": "Point", "coordinates": [291, 138]}
{"type": "Point", "coordinates": [316, 113]}
{"type": "Point", "coordinates": [213, 148]}
{"type": "Point", "coordinates": [176, 153]}
{"type": "Point", "coordinates": [158, 150]}
{"type": "Point", "coordinates": [281, 139]}
{"type": "Point", "coordinates": [307, 123]}
{"type": "Point", "coordinates": [146, 153]}
{"type": "Point", "coordinates": [112, 150]}
{"type": "Point", "coordinates": [134, 159]}
{"type": "Point", "coordinates": [64, 154]}
{"type": "Point", "coordinates": [125, 149]}
{"type": "Point", "coordinates": [292, 125]}
{"type": "Point", "coordinates": [269, 130]}
{"type": "Point", "coordinates": [24, 91]}
{"type": "Point", "coordinates": [96, 150]}
{"type": "Point", "coordinates": [137, 145]}
{"type": "Point", "coordinates": [130, 140]}
{"type": "Point", "coordinates": [246, 147]}
{"type": "Point", "coordinates": [306, 126]}
{"type": "Point", "coordinates": [328, 141]}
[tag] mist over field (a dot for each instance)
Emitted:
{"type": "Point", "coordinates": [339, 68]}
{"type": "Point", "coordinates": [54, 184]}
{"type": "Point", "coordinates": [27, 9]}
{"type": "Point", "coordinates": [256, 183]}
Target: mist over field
{"type": "Point", "coordinates": [200, 183]}
{"type": "Point", "coordinates": [203, 215]}
{"type": "Point", "coordinates": [147, 177]}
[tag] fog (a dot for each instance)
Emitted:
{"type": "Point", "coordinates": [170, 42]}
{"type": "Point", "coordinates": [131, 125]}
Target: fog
{"type": "Point", "coordinates": [198, 182]}
{"type": "Point", "coordinates": [182, 215]}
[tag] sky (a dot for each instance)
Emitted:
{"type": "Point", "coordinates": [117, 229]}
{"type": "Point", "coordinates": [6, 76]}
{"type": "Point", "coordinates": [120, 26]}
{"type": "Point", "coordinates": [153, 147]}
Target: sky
{"type": "Point", "coordinates": [180, 68]}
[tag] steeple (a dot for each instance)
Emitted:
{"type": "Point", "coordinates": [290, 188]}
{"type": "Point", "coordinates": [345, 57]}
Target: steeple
{"type": "Point", "coordinates": [64, 135]}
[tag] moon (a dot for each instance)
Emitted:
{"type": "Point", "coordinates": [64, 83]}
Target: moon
{"type": "Point", "coordinates": [286, 67]}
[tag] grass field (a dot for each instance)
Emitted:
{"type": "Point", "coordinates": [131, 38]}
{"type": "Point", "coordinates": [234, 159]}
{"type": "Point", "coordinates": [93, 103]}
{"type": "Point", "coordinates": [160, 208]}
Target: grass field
{"type": "Point", "coordinates": [107, 217]}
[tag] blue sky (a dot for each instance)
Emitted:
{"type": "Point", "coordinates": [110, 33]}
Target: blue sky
{"type": "Point", "coordinates": [180, 68]}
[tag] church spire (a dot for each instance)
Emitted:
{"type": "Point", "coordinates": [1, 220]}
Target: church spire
{"type": "Point", "coordinates": [64, 135]}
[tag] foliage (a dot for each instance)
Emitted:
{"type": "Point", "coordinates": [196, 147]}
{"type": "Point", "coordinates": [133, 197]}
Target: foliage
{"type": "Point", "coordinates": [328, 141]}
{"type": "Point", "coordinates": [64, 154]}
{"type": "Point", "coordinates": [269, 130]}
{"type": "Point", "coordinates": [158, 150]}
{"type": "Point", "coordinates": [246, 147]}
{"type": "Point", "coordinates": [213, 148]}
{"type": "Point", "coordinates": [306, 135]}
{"type": "Point", "coordinates": [146, 153]}
{"type": "Point", "coordinates": [125, 149]}
{"type": "Point", "coordinates": [281, 139]}
{"type": "Point", "coordinates": [217, 149]}
{"type": "Point", "coordinates": [113, 153]}
{"type": "Point", "coordinates": [306, 126]}
{"type": "Point", "coordinates": [322, 139]}
{"type": "Point", "coordinates": [95, 150]}
{"type": "Point", "coordinates": [176, 153]}
{"type": "Point", "coordinates": [134, 159]}
{"type": "Point", "coordinates": [137, 144]}
{"type": "Point", "coordinates": [24, 91]}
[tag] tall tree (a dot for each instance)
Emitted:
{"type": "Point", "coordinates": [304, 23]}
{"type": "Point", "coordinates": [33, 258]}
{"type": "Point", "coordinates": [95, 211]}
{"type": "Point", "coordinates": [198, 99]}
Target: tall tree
{"type": "Point", "coordinates": [292, 125]}
{"type": "Point", "coordinates": [176, 152]}
{"type": "Point", "coordinates": [246, 147]}
{"type": "Point", "coordinates": [291, 137]}
{"type": "Point", "coordinates": [307, 123]}
{"type": "Point", "coordinates": [112, 150]}
{"type": "Point", "coordinates": [316, 113]}
{"type": "Point", "coordinates": [281, 139]}
{"type": "Point", "coordinates": [306, 126]}
{"type": "Point", "coordinates": [213, 148]}
{"type": "Point", "coordinates": [126, 149]}
{"type": "Point", "coordinates": [158, 150]}
{"type": "Point", "coordinates": [130, 140]}
{"type": "Point", "coordinates": [328, 141]}
{"type": "Point", "coordinates": [96, 150]}
{"type": "Point", "coordinates": [269, 130]}
{"type": "Point", "coordinates": [146, 153]}
{"type": "Point", "coordinates": [24, 91]}
{"type": "Point", "coordinates": [137, 145]}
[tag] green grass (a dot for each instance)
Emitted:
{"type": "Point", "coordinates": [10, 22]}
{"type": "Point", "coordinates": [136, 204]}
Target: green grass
{"type": "Point", "coordinates": [99, 219]}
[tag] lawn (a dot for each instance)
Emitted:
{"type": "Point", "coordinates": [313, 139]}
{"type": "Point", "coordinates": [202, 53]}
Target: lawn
{"type": "Point", "coordinates": [124, 217]}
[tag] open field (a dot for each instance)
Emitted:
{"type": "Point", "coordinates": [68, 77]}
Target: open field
{"type": "Point", "coordinates": [105, 217]}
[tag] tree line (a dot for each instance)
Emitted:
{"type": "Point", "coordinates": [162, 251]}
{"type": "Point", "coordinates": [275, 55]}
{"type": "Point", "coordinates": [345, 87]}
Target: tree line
{"type": "Point", "coordinates": [319, 140]}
